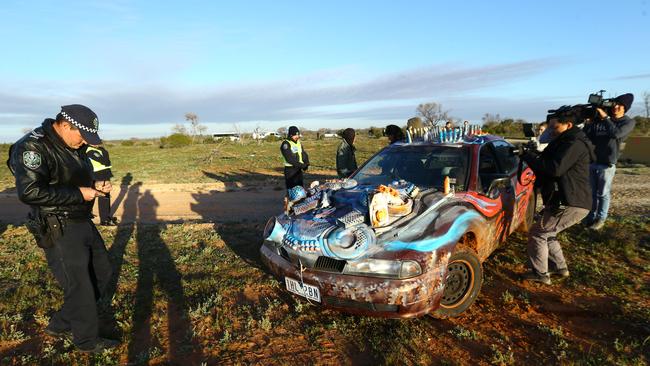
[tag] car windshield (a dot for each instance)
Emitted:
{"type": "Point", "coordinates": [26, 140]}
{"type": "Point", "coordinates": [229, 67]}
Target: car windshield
{"type": "Point", "coordinates": [423, 165]}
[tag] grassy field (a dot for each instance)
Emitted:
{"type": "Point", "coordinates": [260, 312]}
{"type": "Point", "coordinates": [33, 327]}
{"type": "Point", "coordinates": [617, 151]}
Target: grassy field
{"type": "Point", "coordinates": [205, 163]}
{"type": "Point", "coordinates": [196, 293]}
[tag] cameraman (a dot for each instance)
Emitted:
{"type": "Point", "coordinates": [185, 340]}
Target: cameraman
{"type": "Point", "coordinates": [607, 135]}
{"type": "Point", "coordinates": [563, 173]}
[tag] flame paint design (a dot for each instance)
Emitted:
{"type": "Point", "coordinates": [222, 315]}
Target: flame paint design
{"type": "Point", "coordinates": [457, 229]}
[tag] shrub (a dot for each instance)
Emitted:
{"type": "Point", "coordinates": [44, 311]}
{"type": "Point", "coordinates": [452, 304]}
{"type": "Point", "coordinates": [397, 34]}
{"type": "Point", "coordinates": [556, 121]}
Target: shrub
{"type": "Point", "coordinates": [175, 140]}
{"type": "Point", "coordinates": [127, 143]}
{"type": "Point", "coordinates": [376, 132]}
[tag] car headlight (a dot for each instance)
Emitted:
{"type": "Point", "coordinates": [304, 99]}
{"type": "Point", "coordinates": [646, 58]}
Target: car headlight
{"type": "Point", "coordinates": [348, 243]}
{"type": "Point", "coordinates": [384, 268]}
{"type": "Point", "coordinates": [273, 231]}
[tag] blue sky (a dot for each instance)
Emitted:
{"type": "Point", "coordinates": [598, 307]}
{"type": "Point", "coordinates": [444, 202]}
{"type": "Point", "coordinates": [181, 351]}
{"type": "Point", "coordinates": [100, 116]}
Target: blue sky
{"type": "Point", "coordinates": [141, 65]}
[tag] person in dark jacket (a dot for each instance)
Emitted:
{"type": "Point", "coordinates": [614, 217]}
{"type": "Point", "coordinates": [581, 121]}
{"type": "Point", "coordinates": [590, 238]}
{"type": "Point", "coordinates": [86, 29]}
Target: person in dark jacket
{"type": "Point", "coordinates": [563, 171]}
{"type": "Point", "coordinates": [295, 158]}
{"type": "Point", "coordinates": [102, 174]}
{"type": "Point", "coordinates": [607, 133]}
{"type": "Point", "coordinates": [346, 161]}
{"type": "Point", "coordinates": [394, 134]}
{"type": "Point", "coordinates": [54, 177]}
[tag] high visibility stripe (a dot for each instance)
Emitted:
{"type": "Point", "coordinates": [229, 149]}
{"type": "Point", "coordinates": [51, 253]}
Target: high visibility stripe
{"type": "Point", "coordinates": [296, 147]}
{"type": "Point", "coordinates": [97, 166]}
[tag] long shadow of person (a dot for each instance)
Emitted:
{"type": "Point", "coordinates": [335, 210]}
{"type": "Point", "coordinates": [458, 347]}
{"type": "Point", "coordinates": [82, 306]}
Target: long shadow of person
{"type": "Point", "coordinates": [124, 186]}
{"type": "Point", "coordinates": [156, 263]}
{"type": "Point", "coordinates": [109, 327]}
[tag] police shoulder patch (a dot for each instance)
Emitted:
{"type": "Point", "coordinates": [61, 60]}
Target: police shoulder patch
{"type": "Point", "coordinates": [32, 159]}
{"type": "Point", "coordinates": [285, 145]}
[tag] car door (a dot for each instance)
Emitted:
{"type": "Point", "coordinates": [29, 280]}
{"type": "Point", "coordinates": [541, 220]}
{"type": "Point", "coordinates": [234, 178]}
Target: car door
{"type": "Point", "coordinates": [509, 165]}
{"type": "Point", "coordinates": [493, 168]}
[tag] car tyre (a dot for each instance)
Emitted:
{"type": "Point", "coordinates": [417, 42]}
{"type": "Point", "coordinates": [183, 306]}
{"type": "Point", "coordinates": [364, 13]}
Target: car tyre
{"type": "Point", "coordinates": [462, 284]}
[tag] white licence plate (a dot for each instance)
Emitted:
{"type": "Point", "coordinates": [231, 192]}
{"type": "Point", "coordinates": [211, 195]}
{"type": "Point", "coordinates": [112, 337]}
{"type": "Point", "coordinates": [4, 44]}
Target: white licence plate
{"type": "Point", "coordinates": [304, 290]}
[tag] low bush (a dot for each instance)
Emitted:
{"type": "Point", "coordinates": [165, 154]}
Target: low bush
{"type": "Point", "coordinates": [175, 140]}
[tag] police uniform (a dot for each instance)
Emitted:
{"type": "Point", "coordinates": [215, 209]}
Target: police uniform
{"type": "Point", "coordinates": [101, 163]}
{"type": "Point", "coordinates": [295, 159]}
{"type": "Point", "coordinates": [48, 175]}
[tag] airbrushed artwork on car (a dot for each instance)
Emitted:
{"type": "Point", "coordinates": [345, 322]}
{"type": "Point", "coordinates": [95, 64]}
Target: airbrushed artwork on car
{"type": "Point", "coordinates": [406, 234]}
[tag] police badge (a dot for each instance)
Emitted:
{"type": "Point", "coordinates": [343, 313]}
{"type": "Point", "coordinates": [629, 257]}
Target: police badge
{"type": "Point", "coordinates": [32, 159]}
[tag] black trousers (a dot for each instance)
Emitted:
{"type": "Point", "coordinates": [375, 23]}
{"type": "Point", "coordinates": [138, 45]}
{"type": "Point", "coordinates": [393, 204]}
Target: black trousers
{"type": "Point", "coordinates": [80, 264]}
{"type": "Point", "coordinates": [293, 177]}
{"type": "Point", "coordinates": [104, 208]}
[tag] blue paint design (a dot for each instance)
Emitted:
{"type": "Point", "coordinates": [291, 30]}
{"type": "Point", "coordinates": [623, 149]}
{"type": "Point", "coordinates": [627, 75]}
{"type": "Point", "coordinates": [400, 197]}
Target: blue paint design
{"type": "Point", "coordinates": [457, 229]}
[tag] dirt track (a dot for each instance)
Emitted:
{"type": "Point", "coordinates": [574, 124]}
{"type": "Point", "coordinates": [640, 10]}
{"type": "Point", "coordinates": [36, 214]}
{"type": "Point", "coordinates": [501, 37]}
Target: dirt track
{"type": "Point", "coordinates": [236, 202]}
{"type": "Point", "coordinates": [175, 203]}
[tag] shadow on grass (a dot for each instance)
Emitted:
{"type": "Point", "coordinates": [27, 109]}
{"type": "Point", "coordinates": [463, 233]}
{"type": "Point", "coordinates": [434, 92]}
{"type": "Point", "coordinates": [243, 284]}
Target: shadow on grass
{"type": "Point", "coordinates": [156, 264]}
{"type": "Point", "coordinates": [109, 327]}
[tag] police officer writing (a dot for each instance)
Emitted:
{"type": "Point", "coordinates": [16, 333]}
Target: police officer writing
{"type": "Point", "coordinates": [54, 177]}
{"type": "Point", "coordinates": [608, 135]}
{"type": "Point", "coordinates": [101, 163]}
{"type": "Point", "coordinates": [563, 173]}
{"type": "Point", "coordinates": [296, 159]}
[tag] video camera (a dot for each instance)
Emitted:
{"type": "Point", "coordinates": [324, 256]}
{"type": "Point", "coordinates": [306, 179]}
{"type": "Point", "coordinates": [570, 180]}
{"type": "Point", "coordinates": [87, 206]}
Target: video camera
{"type": "Point", "coordinates": [585, 112]}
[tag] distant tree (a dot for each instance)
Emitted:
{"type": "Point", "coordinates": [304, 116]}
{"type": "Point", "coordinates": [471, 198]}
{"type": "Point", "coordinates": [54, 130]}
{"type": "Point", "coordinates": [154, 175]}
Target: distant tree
{"type": "Point", "coordinates": [282, 131]}
{"type": "Point", "coordinates": [432, 113]}
{"type": "Point", "coordinates": [179, 128]}
{"type": "Point", "coordinates": [375, 132]}
{"type": "Point", "coordinates": [237, 129]}
{"type": "Point", "coordinates": [195, 126]}
{"type": "Point", "coordinates": [415, 122]}
{"type": "Point", "coordinates": [507, 127]}
{"type": "Point", "coordinates": [488, 117]}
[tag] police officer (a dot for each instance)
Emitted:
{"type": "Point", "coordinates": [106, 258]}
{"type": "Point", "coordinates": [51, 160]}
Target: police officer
{"type": "Point", "coordinates": [101, 162]}
{"type": "Point", "coordinates": [295, 158]}
{"type": "Point", "coordinates": [54, 177]}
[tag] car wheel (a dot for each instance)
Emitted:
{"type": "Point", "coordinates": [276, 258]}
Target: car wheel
{"type": "Point", "coordinates": [462, 284]}
{"type": "Point", "coordinates": [525, 225]}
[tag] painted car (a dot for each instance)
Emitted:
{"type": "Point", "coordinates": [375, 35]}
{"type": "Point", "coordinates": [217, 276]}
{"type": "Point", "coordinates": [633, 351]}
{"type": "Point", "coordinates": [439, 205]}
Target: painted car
{"type": "Point", "coordinates": [407, 233]}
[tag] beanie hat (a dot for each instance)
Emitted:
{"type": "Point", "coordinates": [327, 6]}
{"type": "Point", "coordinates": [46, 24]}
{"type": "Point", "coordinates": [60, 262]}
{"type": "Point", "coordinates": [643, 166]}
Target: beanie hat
{"type": "Point", "coordinates": [348, 135]}
{"type": "Point", "coordinates": [293, 131]}
{"type": "Point", "coordinates": [625, 100]}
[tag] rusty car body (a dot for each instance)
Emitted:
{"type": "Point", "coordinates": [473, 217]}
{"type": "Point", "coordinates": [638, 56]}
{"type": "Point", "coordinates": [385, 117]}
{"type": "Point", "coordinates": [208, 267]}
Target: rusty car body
{"type": "Point", "coordinates": [407, 233]}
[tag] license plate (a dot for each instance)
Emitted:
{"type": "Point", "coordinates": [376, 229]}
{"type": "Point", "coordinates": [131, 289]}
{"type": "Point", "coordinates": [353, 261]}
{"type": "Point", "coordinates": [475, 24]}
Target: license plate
{"type": "Point", "coordinates": [304, 290]}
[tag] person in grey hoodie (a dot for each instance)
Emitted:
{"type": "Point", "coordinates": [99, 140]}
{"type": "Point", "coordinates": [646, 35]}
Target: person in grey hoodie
{"type": "Point", "coordinates": [607, 133]}
{"type": "Point", "coordinates": [346, 161]}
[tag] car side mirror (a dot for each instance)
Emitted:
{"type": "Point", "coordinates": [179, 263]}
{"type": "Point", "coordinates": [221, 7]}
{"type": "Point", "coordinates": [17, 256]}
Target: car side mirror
{"type": "Point", "coordinates": [495, 187]}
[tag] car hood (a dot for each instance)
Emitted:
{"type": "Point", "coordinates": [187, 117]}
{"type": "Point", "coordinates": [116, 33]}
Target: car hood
{"type": "Point", "coordinates": [339, 225]}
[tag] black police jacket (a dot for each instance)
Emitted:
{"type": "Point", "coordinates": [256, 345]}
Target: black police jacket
{"type": "Point", "coordinates": [563, 169]}
{"type": "Point", "coordinates": [49, 173]}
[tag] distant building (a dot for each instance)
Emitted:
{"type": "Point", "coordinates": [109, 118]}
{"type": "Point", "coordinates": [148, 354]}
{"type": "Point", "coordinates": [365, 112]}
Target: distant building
{"type": "Point", "coordinates": [263, 135]}
{"type": "Point", "coordinates": [232, 136]}
{"type": "Point", "coordinates": [330, 135]}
